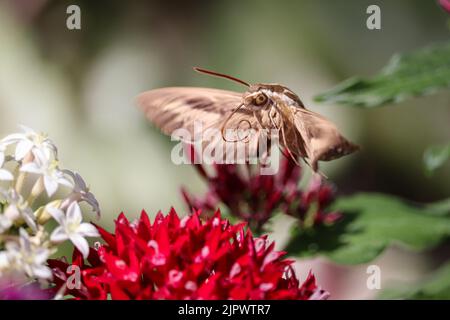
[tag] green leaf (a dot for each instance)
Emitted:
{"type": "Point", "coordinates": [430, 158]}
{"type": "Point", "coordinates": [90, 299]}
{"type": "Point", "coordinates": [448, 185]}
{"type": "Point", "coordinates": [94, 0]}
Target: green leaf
{"type": "Point", "coordinates": [436, 287]}
{"type": "Point", "coordinates": [435, 157]}
{"type": "Point", "coordinates": [439, 208]}
{"type": "Point", "coordinates": [370, 223]}
{"type": "Point", "coordinates": [406, 75]}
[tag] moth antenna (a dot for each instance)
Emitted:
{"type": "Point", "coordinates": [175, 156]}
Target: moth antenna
{"type": "Point", "coordinates": [221, 75]}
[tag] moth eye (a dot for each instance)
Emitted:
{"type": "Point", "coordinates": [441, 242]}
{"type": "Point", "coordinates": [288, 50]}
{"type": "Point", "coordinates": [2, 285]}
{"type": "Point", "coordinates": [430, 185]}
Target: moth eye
{"type": "Point", "coordinates": [260, 99]}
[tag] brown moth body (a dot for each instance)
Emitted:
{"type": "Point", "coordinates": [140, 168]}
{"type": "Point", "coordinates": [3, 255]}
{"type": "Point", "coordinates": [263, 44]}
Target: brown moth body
{"type": "Point", "coordinates": [301, 132]}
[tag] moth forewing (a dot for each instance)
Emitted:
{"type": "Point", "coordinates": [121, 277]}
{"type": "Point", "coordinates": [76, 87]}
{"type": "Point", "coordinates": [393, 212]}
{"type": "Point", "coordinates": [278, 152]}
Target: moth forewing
{"type": "Point", "coordinates": [198, 110]}
{"type": "Point", "coordinates": [181, 107]}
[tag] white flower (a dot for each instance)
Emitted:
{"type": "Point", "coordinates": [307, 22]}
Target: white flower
{"type": "Point", "coordinates": [5, 175]}
{"type": "Point", "coordinates": [4, 262]}
{"type": "Point", "coordinates": [28, 257]}
{"type": "Point", "coordinates": [72, 228]}
{"type": "Point", "coordinates": [15, 208]}
{"type": "Point", "coordinates": [5, 223]}
{"type": "Point", "coordinates": [81, 192]}
{"type": "Point", "coordinates": [53, 177]}
{"type": "Point", "coordinates": [30, 140]}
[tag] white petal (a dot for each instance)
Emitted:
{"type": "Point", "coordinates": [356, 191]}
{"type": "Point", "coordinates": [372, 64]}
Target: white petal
{"type": "Point", "coordinates": [42, 272]}
{"type": "Point", "coordinates": [50, 148]}
{"type": "Point", "coordinates": [74, 213]}
{"type": "Point", "coordinates": [40, 256]}
{"type": "Point", "coordinates": [80, 182]}
{"type": "Point", "coordinates": [12, 246]}
{"type": "Point", "coordinates": [81, 244]}
{"type": "Point", "coordinates": [50, 185]}
{"type": "Point", "coordinates": [57, 214]}
{"type": "Point", "coordinates": [24, 240]}
{"type": "Point", "coordinates": [59, 235]}
{"type": "Point", "coordinates": [5, 175]}
{"type": "Point", "coordinates": [2, 158]}
{"type": "Point", "coordinates": [29, 219]}
{"type": "Point", "coordinates": [27, 130]}
{"type": "Point", "coordinates": [23, 147]}
{"type": "Point", "coordinates": [90, 198]}
{"type": "Point", "coordinates": [31, 167]}
{"type": "Point", "coordinates": [13, 138]}
{"type": "Point", "coordinates": [88, 230]}
{"type": "Point", "coordinates": [4, 260]}
{"type": "Point", "coordinates": [12, 212]}
{"type": "Point", "coordinates": [48, 151]}
{"type": "Point", "coordinates": [65, 182]}
{"type": "Point", "coordinates": [5, 224]}
{"type": "Point", "coordinates": [40, 156]}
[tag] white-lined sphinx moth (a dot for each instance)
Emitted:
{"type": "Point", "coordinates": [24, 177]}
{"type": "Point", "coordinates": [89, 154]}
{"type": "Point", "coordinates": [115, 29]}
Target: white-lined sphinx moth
{"type": "Point", "coordinates": [301, 132]}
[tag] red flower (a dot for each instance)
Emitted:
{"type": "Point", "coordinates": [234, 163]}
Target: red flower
{"type": "Point", "coordinates": [445, 4]}
{"type": "Point", "coordinates": [254, 198]}
{"type": "Point", "coordinates": [184, 258]}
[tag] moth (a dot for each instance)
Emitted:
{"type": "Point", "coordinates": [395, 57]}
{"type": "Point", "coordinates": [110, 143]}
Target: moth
{"type": "Point", "coordinates": [263, 107]}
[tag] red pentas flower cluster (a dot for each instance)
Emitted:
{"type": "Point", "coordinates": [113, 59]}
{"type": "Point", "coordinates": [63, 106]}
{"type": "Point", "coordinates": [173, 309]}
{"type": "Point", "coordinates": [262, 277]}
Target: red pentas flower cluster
{"type": "Point", "coordinates": [254, 198]}
{"type": "Point", "coordinates": [184, 258]}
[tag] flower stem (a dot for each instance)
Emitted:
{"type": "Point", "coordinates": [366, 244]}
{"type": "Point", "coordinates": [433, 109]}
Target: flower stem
{"type": "Point", "coordinates": [21, 176]}
{"type": "Point", "coordinates": [36, 190]}
{"type": "Point", "coordinates": [20, 181]}
{"type": "Point", "coordinates": [310, 216]}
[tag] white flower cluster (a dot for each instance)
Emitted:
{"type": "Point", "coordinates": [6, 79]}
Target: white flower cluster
{"type": "Point", "coordinates": [33, 191]}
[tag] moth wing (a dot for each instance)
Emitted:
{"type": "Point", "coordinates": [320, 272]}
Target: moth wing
{"type": "Point", "coordinates": [180, 107]}
{"type": "Point", "coordinates": [187, 107]}
{"type": "Point", "coordinates": [321, 137]}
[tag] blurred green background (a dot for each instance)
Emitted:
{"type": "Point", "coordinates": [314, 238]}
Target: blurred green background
{"type": "Point", "coordinates": [79, 86]}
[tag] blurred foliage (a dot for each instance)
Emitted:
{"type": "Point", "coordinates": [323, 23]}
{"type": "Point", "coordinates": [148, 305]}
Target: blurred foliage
{"type": "Point", "coordinates": [437, 286]}
{"type": "Point", "coordinates": [435, 157]}
{"type": "Point", "coordinates": [372, 222]}
{"type": "Point", "coordinates": [406, 75]}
